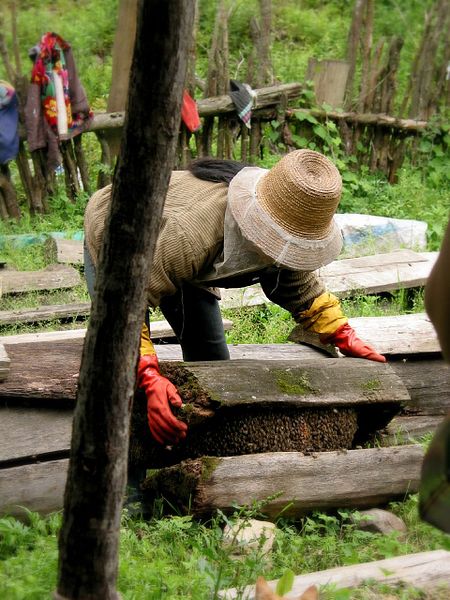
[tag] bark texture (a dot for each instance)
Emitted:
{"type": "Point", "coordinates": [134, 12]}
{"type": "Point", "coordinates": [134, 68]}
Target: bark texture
{"type": "Point", "coordinates": [89, 536]}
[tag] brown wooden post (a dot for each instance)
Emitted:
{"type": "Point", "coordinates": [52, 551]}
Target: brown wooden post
{"type": "Point", "coordinates": [88, 543]}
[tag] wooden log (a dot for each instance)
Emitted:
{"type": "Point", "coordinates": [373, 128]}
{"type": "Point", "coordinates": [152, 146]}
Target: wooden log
{"type": "Point", "coordinates": [322, 481]}
{"type": "Point", "coordinates": [425, 571]}
{"type": "Point", "coordinates": [69, 252]}
{"type": "Point", "coordinates": [378, 120]}
{"type": "Point", "coordinates": [401, 334]}
{"type": "Point", "coordinates": [53, 277]}
{"type": "Point", "coordinates": [36, 487]}
{"type": "Point", "coordinates": [210, 107]}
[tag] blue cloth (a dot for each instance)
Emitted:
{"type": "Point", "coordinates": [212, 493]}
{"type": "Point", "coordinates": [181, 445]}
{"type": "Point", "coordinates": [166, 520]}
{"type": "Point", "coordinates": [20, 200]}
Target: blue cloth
{"type": "Point", "coordinates": [9, 123]}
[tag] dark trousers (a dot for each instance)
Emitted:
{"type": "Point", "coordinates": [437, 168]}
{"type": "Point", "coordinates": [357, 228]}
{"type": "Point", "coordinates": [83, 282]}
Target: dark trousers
{"type": "Point", "coordinates": [194, 315]}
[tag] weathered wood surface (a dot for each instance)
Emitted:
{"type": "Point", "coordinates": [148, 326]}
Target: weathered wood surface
{"type": "Point", "coordinates": [5, 363]}
{"type": "Point", "coordinates": [425, 571]}
{"type": "Point", "coordinates": [45, 313]}
{"type": "Point", "coordinates": [28, 433]}
{"type": "Point", "coordinates": [322, 481]}
{"type": "Point", "coordinates": [321, 382]}
{"type": "Point", "coordinates": [69, 252]}
{"type": "Point", "coordinates": [217, 105]}
{"type": "Point", "coordinates": [38, 487]}
{"type": "Point", "coordinates": [427, 380]}
{"type": "Point", "coordinates": [47, 371]}
{"type": "Point", "coordinates": [379, 272]}
{"type": "Point", "coordinates": [54, 378]}
{"type": "Point", "coordinates": [402, 334]}
{"type": "Point", "coordinates": [365, 274]}
{"type": "Point", "coordinates": [403, 429]}
{"type": "Point", "coordinates": [52, 277]}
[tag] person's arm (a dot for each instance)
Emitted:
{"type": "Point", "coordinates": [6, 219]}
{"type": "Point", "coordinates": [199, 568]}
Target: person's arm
{"type": "Point", "coordinates": [437, 295]}
{"type": "Point", "coordinates": [318, 311]}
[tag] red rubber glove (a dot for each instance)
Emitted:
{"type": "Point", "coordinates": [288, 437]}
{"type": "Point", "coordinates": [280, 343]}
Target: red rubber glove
{"type": "Point", "coordinates": [350, 344]}
{"type": "Point", "coordinates": [161, 395]}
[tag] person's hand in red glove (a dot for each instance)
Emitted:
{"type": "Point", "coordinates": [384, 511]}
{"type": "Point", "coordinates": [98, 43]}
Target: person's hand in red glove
{"type": "Point", "coordinates": [350, 344]}
{"type": "Point", "coordinates": [161, 396]}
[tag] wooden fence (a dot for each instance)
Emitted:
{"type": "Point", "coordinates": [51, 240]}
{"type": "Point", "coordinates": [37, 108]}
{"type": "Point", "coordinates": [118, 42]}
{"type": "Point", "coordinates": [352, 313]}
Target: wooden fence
{"type": "Point", "coordinates": [276, 125]}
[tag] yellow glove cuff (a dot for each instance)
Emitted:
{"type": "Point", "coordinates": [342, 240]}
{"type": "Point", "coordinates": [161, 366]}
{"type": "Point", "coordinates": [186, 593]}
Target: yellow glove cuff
{"type": "Point", "coordinates": [324, 316]}
{"type": "Point", "coordinates": [146, 347]}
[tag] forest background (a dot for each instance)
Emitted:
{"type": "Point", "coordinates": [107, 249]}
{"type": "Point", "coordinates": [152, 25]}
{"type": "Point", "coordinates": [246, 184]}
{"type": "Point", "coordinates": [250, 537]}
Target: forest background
{"type": "Point", "coordinates": [179, 557]}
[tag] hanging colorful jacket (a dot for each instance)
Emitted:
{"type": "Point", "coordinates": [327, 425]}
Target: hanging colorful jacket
{"type": "Point", "coordinates": [9, 123]}
{"type": "Point", "coordinates": [57, 108]}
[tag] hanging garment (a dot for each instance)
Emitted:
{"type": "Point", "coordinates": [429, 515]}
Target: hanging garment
{"type": "Point", "coordinates": [189, 113]}
{"type": "Point", "coordinates": [243, 97]}
{"type": "Point", "coordinates": [57, 108]}
{"type": "Point", "coordinates": [9, 123]}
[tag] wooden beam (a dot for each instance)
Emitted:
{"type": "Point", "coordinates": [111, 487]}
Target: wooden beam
{"type": "Point", "coordinates": [424, 570]}
{"type": "Point", "coordinates": [321, 481]}
{"type": "Point", "coordinates": [53, 277]}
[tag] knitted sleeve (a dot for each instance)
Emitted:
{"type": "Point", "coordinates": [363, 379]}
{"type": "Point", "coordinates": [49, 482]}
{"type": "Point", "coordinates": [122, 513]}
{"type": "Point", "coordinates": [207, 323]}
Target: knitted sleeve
{"type": "Point", "coordinates": [292, 290]}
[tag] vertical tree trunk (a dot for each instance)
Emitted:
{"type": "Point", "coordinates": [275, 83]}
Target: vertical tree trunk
{"type": "Point", "coordinates": [423, 77]}
{"type": "Point", "coordinates": [352, 48]}
{"type": "Point", "coordinates": [260, 72]}
{"type": "Point", "coordinates": [218, 76]}
{"type": "Point", "coordinates": [88, 542]}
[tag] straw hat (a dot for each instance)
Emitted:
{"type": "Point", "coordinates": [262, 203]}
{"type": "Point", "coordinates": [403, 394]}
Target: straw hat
{"type": "Point", "coordinates": [288, 211]}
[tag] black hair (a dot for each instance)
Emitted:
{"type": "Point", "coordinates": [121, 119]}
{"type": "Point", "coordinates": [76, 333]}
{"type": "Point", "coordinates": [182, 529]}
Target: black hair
{"type": "Point", "coordinates": [216, 169]}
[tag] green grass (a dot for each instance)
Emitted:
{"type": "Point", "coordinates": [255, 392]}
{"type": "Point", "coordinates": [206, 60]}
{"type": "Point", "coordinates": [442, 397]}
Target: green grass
{"type": "Point", "coordinates": [180, 557]}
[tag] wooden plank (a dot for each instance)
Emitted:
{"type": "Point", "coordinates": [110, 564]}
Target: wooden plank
{"type": "Point", "coordinates": [69, 252]}
{"type": "Point", "coordinates": [47, 372]}
{"type": "Point", "coordinates": [323, 381]}
{"type": "Point", "coordinates": [27, 432]}
{"type": "Point", "coordinates": [401, 334]}
{"type": "Point", "coordinates": [173, 352]}
{"type": "Point", "coordinates": [366, 274]}
{"type": "Point", "coordinates": [394, 272]}
{"type": "Point", "coordinates": [5, 363]}
{"type": "Point", "coordinates": [426, 380]}
{"type": "Point", "coordinates": [45, 313]}
{"type": "Point", "coordinates": [52, 277]}
{"type": "Point", "coordinates": [403, 429]}
{"type": "Point", "coordinates": [159, 329]}
{"type": "Point", "coordinates": [424, 570]}
{"type": "Point", "coordinates": [321, 481]}
{"type": "Point", "coordinates": [37, 487]}
{"type": "Point", "coordinates": [428, 384]}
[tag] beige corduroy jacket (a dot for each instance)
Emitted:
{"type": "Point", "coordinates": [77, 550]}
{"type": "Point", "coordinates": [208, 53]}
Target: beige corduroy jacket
{"type": "Point", "coordinates": [191, 239]}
